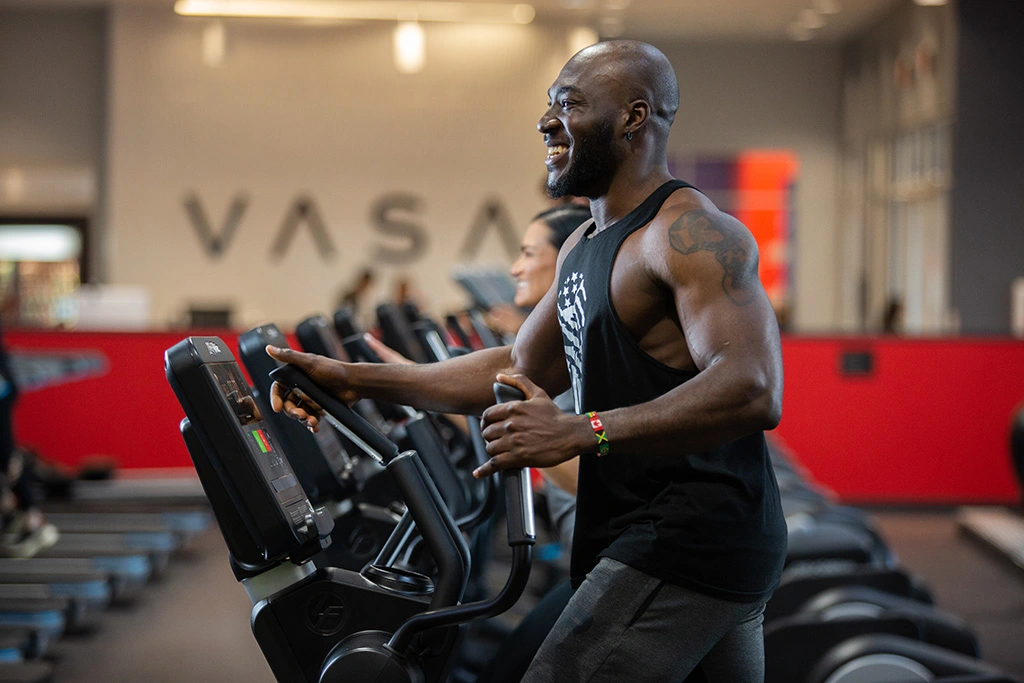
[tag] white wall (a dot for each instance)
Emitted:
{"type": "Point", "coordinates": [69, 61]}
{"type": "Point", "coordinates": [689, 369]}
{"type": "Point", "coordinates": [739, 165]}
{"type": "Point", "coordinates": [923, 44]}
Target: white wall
{"type": "Point", "coordinates": [320, 111]}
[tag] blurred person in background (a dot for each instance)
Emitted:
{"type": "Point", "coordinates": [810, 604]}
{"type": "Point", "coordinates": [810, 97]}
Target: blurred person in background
{"type": "Point", "coordinates": [892, 321]}
{"type": "Point", "coordinates": [534, 269]}
{"type": "Point", "coordinates": [353, 299]}
{"type": "Point", "coordinates": [23, 529]}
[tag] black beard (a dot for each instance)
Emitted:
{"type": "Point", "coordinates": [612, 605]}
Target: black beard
{"type": "Point", "coordinates": [593, 158]}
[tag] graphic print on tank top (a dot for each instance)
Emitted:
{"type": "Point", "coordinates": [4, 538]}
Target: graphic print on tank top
{"type": "Point", "coordinates": [572, 317]}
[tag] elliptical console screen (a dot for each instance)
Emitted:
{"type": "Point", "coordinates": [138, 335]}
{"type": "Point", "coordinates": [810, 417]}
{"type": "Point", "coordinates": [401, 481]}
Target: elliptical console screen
{"type": "Point", "coordinates": [275, 468]}
{"type": "Point", "coordinates": [260, 505]}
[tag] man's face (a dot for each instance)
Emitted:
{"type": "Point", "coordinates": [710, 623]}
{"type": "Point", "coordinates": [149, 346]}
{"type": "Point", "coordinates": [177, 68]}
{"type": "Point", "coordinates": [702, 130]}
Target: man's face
{"type": "Point", "coordinates": [579, 131]}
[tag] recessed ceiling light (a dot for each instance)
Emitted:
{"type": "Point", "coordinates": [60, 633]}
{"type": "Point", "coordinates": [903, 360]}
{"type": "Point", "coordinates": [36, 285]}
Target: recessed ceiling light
{"type": "Point", "coordinates": [381, 10]}
{"type": "Point", "coordinates": [410, 53]}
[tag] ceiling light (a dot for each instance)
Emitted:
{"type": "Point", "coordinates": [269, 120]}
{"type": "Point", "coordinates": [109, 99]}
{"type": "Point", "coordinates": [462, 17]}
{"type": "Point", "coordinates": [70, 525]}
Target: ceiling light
{"type": "Point", "coordinates": [381, 10]}
{"type": "Point", "coordinates": [410, 53]}
{"type": "Point", "coordinates": [930, 3]}
{"type": "Point", "coordinates": [809, 18]}
{"type": "Point", "coordinates": [215, 44]}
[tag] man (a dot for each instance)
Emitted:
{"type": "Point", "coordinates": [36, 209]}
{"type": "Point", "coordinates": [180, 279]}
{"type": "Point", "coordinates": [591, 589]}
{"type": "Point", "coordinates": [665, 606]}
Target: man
{"type": "Point", "coordinates": [671, 348]}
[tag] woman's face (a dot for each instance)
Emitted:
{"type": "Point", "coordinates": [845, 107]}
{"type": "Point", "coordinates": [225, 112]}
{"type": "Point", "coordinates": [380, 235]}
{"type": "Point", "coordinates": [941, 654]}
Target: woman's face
{"type": "Point", "coordinates": [534, 270]}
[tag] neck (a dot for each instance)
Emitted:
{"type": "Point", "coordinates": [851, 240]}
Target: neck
{"type": "Point", "coordinates": [627, 190]}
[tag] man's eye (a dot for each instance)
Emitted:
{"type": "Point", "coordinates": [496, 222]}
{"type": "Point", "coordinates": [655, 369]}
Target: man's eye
{"type": "Point", "coordinates": [565, 104]}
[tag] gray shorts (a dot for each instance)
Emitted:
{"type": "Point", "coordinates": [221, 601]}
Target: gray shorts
{"type": "Point", "coordinates": [624, 625]}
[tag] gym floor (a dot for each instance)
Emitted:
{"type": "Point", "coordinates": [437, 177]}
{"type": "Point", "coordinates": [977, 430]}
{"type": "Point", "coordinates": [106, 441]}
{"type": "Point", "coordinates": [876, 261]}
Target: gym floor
{"type": "Point", "coordinates": [194, 624]}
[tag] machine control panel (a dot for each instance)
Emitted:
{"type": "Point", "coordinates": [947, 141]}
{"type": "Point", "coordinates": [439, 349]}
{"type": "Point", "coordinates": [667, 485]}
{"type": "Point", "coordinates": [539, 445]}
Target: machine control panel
{"type": "Point", "coordinates": [245, 472]}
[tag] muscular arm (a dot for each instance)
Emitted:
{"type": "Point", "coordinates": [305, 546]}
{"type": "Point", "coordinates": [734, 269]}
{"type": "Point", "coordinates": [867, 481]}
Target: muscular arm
{"type": "Point", "coordinates": [708, 262]}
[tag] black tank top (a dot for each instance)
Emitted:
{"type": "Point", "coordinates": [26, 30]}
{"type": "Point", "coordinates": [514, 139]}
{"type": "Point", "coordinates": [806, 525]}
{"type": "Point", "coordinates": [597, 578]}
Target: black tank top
{"type": "Point", "coordinates": [709, 521]}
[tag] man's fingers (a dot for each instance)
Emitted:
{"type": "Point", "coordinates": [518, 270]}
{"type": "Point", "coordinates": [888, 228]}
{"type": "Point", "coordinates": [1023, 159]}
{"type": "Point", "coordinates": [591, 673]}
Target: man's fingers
{"type": "Point", "coordinates": [305, 361]}
{"type": "Point", "coordinates": [495, 464]}
{"type": "Point", "coordinates": [523, 384]}
{"type": "Point", "coordinates": [277, 394]}
{"type": "Point", "coordinates": [497, 446]}
{"type": "Point", "coordinates": [496, 414]}
{"type": "Point", "coordinates": [311, 420]}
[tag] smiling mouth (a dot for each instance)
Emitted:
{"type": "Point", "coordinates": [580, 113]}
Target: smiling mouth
{"type": "Point", "coordinates": [556, 151]}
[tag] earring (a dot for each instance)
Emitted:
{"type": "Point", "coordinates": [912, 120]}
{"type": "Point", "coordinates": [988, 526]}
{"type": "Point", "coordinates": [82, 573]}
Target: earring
{"type": "Point", "coordinates": [629, 135]}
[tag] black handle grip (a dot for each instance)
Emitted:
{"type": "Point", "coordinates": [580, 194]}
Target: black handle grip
{"type": "Point", "coordinates": [518, 488]}
{"type": "Point", "coordinates": [340, 415]}
{"type": "Point", "coordinates": [504, 393]}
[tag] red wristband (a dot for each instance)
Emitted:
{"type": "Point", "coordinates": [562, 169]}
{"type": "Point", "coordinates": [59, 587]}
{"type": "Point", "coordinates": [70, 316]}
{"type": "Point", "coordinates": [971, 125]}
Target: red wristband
{"type": "Point", "coordinates": [603, 447]}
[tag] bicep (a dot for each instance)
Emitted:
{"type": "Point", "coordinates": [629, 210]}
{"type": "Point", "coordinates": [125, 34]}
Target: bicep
{"type": "Point", "coordinates": [711, 266]}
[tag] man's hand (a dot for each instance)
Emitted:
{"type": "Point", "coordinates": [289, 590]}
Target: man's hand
{"type": "Point", "coordinates": [530, 433]}
{"type": "Point", "coordinates": [328, 374]}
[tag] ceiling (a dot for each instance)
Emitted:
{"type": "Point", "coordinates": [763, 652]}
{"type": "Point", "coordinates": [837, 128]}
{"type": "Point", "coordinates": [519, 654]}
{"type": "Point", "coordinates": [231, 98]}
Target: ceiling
{"type": "Point", "coordinates": [712, 20]}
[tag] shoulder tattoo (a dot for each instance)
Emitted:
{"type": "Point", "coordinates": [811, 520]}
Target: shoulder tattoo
{"type": "Point", "coordinates": [699, 230]}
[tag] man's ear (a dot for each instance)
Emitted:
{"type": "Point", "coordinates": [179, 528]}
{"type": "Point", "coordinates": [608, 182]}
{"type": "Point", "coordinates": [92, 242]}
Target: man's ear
{"type": "Point", "coordinates": [637, 116]}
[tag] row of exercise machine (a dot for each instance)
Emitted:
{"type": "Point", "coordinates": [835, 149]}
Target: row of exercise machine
{"type": "Point", "coordinates": [363, 547]}
{"type": "Point", "coordinates": [116, 537]}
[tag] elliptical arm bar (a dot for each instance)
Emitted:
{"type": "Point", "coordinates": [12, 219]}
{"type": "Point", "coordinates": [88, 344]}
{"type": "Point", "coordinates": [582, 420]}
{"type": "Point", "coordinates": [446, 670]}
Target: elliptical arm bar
{"type": "Point", "coordinates": [399, 538]}
{"type": "Point", "coordinates": [435, 523]}
{"type": "Point", "coordinates": [519, 516]}
{"type": "Point", "coordinates": [490, 488]}
{"type": "Point", "coordinates": [339, 414]}
{"type": "Point", "coordinates": [453, 528]}
{"type": "Point", "coordinates": [489, 484]}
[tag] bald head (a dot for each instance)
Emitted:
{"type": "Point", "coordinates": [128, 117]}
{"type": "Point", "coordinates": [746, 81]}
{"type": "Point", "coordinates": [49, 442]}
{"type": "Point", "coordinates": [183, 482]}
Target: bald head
{"type": "Point", "coordinates": [636, 70]}
{"type": "Point", "coordinates": [608, 117]}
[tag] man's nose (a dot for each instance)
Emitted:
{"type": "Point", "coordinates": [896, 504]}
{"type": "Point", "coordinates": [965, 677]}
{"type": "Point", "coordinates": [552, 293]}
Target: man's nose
{"type": "Point", "coordinates": [547, 123]}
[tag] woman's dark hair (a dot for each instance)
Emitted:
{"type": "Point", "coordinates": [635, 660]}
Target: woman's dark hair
{"type": "Point", "coordinates": [563, 220]}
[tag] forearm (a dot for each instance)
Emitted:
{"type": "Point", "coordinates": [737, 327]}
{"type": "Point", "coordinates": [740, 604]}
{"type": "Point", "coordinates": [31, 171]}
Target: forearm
{"type": "Point", "coordinates": [719, 405]}
{"type": "Point", "coordinates": [460, 385]}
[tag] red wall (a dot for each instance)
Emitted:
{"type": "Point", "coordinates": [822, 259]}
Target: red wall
{"type": "Point", "coordinates": [929, 424]}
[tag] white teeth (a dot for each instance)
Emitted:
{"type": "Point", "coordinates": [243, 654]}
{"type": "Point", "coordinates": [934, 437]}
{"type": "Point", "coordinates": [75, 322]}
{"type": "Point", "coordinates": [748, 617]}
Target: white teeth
{"type": "Point", "coordinates": [555, 150]}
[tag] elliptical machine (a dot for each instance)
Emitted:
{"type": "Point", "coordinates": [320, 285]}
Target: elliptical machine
{"type": "Point", "coordinates": [323, 624]}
